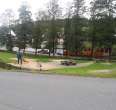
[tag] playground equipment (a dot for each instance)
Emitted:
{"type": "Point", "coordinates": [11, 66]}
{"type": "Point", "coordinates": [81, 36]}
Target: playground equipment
{"type": "Point", "coordinates": [68, 62]}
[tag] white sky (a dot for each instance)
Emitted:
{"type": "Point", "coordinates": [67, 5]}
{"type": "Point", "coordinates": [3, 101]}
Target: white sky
{"type": "Point", "coordinates": [35, 5]}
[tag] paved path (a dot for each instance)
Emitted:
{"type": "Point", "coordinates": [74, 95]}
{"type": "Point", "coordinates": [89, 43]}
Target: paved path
{"type": "Point", "coordinates": [21, 91]}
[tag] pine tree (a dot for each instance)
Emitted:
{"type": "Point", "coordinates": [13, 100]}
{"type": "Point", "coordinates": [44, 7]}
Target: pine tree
{"type": "Point", "coordinates": [54, 11]}
{"type": "Point", "coordinates": [37, 36]}
{"type": "Point", "coordinates": [79, 9]}
{"type": "Point", "coordinates": [103, 23]}
{"type": "Point", "coordinates": [24, 29]}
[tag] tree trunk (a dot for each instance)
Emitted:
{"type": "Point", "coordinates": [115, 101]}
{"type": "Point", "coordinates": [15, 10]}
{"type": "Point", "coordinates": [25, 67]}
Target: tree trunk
{"type": "Point", "coordinates": [35, 51]}
{"type": "Point", "coordinates": [19, 48]}
{"type": "Point", "coordinates": [53, 49]}
{"type": "Point", "coordinates": [24, 49]}
{"type": "Point", "coordinates": [110, 53]}
{"type": "Point", "coordinates": [92, 49]}
{"type": "Point", "coordinates": [49, 52]}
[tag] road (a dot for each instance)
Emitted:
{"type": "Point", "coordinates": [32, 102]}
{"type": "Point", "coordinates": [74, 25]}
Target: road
{"type": "Point", "coordinates": [22, 91]}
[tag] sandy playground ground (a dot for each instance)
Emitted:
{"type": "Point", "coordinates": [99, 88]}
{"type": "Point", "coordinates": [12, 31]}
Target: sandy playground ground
{"type": "Point", "coordinates": [54, 64]}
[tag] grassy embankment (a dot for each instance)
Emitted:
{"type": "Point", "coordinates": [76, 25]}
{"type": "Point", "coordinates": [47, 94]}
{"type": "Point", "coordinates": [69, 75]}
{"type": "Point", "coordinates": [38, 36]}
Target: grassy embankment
{"type": "Point", "coordinates": [99, 69]}
{"type": "Point", "coordinates": [5, 58]}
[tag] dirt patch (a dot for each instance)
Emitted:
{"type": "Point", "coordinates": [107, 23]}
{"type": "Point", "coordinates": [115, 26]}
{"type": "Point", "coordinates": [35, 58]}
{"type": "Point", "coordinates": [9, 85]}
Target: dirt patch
{"type": "Point", "coordinates": [7, 66]}
{"type": "Point", "coordinates": [54, 64]}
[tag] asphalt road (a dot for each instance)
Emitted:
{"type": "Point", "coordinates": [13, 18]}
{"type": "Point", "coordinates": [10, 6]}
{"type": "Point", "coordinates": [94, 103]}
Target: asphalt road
{"type": "Point", "coordinates": [21, 91]}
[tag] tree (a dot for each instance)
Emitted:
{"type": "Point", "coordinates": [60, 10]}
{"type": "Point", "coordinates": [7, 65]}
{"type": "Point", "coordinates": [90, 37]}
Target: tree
{"type": "Point", "coordinates": [8, 21]}
{"type": "Point", "coordinates": [3, 35]}
{"type": "Point", "coordinates": [54, 12]}
{"type": "Point", "coordinates": [103, 22]}
{"type": "Point", "coordinates": [92, 27]}
{"type": "Point", "coordinates": [77, 25]}
{"type": "Point", "coordinates": [37, 36]}
{"type": "Point", "coordinates": [24, 27]}
{"type": "Point", "coordinates": [42, 15]}
{"type": "Point", "coordinates": [67, 30]}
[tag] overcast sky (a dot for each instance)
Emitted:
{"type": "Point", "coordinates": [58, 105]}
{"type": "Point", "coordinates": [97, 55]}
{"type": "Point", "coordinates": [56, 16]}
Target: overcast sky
{"type": "Point", "coordinates": [34, 4]}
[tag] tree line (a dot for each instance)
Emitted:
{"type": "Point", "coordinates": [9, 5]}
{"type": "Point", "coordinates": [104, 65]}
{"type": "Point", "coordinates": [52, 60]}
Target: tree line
{"type": "Point", "coordinates": [75, 28]}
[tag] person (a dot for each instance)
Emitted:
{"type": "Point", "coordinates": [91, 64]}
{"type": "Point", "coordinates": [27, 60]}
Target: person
{"type": "Point", "coordinates": [20, 57]}
{"type": "Point", "coordinates": [21, 53]}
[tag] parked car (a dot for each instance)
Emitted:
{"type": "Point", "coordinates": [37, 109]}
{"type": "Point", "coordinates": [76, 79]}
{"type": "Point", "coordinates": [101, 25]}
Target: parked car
{"type": "Point", "coordinates": [43, 52]}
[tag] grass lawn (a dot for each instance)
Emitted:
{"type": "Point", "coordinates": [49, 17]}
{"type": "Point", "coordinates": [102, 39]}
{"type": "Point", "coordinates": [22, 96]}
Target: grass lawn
{"type": "Point", "coordinates": [1, 69]}
{"type": "Point", "coordinates": [41, 58]}
{"type": "Point", "coordinates": [45, 58]}
{"type": "Point", "coordinates": [96, 70]}
{"type": "Point", "coordinates": [6, 57]}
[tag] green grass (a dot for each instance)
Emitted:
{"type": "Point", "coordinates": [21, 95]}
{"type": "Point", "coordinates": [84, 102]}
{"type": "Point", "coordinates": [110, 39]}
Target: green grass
{"type": "Point", "coordinates": [88, 70]}
{"type": "Point", "coordinates": [44, 58]}
{"type": "Point", "coordinates": [6, 57]}
{"type": "Point", "coordinates": [39, 58]}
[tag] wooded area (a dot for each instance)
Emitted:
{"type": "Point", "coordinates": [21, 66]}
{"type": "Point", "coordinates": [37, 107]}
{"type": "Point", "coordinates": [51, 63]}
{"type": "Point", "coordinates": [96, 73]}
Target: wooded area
{"type": "Point", "coordinates": [81, 34]}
